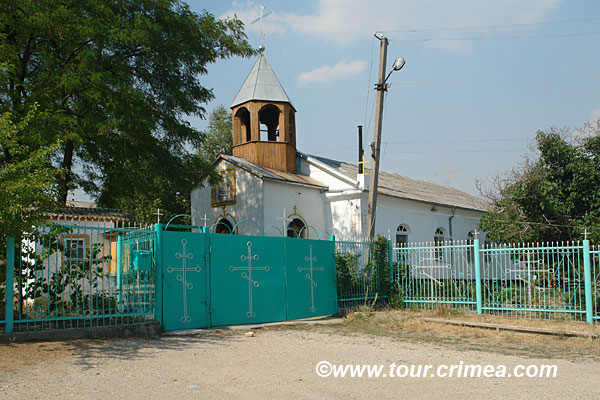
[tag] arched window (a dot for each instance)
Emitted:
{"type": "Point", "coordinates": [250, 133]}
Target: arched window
{"type": "Point", "coordinates": [402, 236]}
{"type": "Point", "coordinates": [470, 241]}
{"type": "Point", "coordinates": [243, 116]}
{"type": "Point", "coordinates": [438, 242]}
{"type": "Point", "coordinates": [224, 226]}
{"type": "Point", "coordinates": [292, 126]}
{"type": "Point", "coordinates": [269, 123]}
{"type": "Point", "coordinates": [297, 229]}
{"type": "Point", "coordinates": [438, 237]}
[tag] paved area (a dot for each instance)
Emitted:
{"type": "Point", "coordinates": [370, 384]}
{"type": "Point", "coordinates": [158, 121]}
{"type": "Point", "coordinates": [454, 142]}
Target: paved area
{"type": "Point", "coordinates": [274, 363]}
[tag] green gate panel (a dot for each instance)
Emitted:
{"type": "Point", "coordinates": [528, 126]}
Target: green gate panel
{"type": "Point", "coordinates": [311, 278]}
{"type": "Point", "coordinates": [247, 279]}
{"type": "Point", "coordinates": [184, 280]}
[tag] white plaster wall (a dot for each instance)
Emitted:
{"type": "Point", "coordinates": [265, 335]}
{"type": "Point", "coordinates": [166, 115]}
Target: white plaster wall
{"type": "Point", "coordinates": [308, 201]}
{"type": "Point", "coordinates": [422, 222]}
{"type": "Point", "coordinates": [325, 177]}
{"type": "Point", "coordinates": [248, 205]}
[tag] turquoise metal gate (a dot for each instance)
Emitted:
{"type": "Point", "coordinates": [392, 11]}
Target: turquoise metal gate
{"type": "Point", "coordinates": [184, 280]}
{"type": "Point", "coordinates": [214, 279]}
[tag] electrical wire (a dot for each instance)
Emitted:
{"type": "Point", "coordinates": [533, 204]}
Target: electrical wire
{"type": "Point", "coordinates": [495, 26]}
{"type": "Point", "coordinates": [458, 83]}
{"type": "Point", "coordinates": [560, 35]}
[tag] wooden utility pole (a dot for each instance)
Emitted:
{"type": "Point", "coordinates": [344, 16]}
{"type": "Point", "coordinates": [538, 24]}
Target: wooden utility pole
{"type": "Point", "coordinates": [376, 144]}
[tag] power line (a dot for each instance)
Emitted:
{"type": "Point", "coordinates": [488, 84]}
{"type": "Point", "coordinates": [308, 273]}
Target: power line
{"type": "Point", "coordinates": [457, 151]}
{"type": "Point", "coordinates": [456, 141]}
{"type": "Point", "coordinates": [495, 26]}
{"type": "Point", "coordinates": [499, 37]}
{"type": "Point", "coordinates": [458, 83]}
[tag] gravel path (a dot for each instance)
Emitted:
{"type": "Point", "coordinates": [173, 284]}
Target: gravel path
{"type": "Point", "coordinates": [277, 363]}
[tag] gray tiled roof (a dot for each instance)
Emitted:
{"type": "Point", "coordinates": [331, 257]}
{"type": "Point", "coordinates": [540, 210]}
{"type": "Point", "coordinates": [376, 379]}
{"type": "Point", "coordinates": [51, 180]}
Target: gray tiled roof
{"type": "Point", "coordinates": [272, 174]}
{"type": "Point", "coordinates": [81, 209]}
{"type": "Point", "coordinates": [400, 186]}
{"type": "Point", "coordinates": [261, 84]}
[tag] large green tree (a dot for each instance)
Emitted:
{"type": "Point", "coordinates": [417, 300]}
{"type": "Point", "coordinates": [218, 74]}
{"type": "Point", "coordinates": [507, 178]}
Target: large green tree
{"type": "Point", "coordinates": [554, 197]}
{"type": "Point", "coordinates": [218, 136]}
{"type": "Point", "coordinates": [114, 81]}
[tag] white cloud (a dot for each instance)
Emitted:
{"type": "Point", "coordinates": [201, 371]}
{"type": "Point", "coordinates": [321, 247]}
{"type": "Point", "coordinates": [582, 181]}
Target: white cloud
{"type": "Point", "coordinates": [328, 73]}
{"type": "Point", "coordinates": [595, 114]}
{"type": "Point", "coordinates": [344, 21]}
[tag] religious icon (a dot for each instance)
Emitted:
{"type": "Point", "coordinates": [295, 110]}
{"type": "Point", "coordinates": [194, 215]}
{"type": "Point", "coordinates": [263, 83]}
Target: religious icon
{"type": "Point", "coordinates": [223, 193]}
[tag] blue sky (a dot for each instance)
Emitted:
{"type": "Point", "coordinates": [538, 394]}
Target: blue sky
{"type": "Point", "coordinates": [468, 101]}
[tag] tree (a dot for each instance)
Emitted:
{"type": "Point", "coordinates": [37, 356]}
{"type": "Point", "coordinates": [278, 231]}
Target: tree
{"type": "Point", "coordinates": [553, 197]}
{"type": "Point", "coordinates": [27, 182]}
{"type": "Point", "coordinates": [114, 80]}
{"type": "Point", "coordinates": [218, 137]}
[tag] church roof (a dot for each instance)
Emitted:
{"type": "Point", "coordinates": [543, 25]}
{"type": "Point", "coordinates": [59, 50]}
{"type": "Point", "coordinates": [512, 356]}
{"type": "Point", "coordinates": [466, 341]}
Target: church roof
{"type": "Point", "coordinates": [413, 189]}
{"type": "Point", "coordinates": [261, 84]}
{"type": "Point", "coordinates": [272, 174]}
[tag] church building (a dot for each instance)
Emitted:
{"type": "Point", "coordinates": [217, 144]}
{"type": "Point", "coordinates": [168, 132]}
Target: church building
{"type": "Point", "coordinates": [282, 190]}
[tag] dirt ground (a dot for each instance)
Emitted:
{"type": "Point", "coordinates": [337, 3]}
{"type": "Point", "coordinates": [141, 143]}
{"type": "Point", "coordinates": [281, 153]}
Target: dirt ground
{"type": "Point", "coordinates": [279, 362]}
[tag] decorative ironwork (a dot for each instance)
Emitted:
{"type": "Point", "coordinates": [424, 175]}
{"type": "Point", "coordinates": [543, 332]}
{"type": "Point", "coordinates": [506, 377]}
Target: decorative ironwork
{"type": "Point", "coordinates": [185, 285]}
{"type": "Point", "coordinates": [247, 274]}
{"type": "Point", "coordinates": [310, 276]}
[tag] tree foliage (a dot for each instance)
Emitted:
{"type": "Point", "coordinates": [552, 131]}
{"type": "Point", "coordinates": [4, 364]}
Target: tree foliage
{"type": "Point", "coordinates": [114, 81]}
{"type": "Point", "coordinates": [27, 186]}
{"type": "Point", "coordinates": [218, 137]}
{"type": "Point", "coordinates": [553, 197]}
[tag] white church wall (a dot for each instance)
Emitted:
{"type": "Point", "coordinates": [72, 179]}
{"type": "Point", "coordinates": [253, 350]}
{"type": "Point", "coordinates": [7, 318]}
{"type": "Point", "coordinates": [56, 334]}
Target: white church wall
{"type": "Point", "coordinates": [345, 214]}
{"type": "Point", "coordinates": [248, 205]}
{"type": "Point", "coordinates": [324, 176]}
{"type": "Point", "coordinates": [421, 221]}
{"type": "Point", "coordinates": [284, 196]}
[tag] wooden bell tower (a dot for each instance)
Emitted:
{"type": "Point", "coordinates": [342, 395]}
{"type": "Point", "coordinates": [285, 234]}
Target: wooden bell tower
{"type": "Point", "coordinates": [264, 123]}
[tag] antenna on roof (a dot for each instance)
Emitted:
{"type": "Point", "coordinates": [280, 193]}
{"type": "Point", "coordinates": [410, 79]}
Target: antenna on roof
{"type": "Point", "coordinates": [261, 48]}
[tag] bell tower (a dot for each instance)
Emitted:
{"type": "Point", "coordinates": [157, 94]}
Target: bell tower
{"type": "Point", "coordinates": [264, 123]}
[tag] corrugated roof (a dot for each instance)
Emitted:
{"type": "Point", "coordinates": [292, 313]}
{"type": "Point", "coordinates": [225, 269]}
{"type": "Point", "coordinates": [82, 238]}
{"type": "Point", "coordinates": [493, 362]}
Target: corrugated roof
{"type": "Point", "coordinates": [90, 210]}
{"type": "Point", "coordinates": [261, 84]}
{"type": "Point", "coordinates": [272, 174]}
{"type": "Point", "coordinates": [413, 189]}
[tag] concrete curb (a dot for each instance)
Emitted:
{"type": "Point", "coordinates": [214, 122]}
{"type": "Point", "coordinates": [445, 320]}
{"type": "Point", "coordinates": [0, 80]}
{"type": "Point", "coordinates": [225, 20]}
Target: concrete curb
{"type": "Point", "coordinates": [249, 327]}
{"type": "Point", "coordinates": [515, 328]}
{"type": "Point", "coordinates": [100, 332]}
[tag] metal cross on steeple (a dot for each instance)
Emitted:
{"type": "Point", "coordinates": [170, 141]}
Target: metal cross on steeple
{"type": "Point", "coordinates": [260, 18]}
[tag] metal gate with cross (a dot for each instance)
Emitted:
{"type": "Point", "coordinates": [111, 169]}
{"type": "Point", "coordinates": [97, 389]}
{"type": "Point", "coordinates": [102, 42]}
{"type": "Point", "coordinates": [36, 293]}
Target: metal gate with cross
{"type": "Point", "coordinates": [214, 279]}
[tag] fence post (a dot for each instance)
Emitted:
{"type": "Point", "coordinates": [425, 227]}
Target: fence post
{"type": "Point", "coordinates": [587, 277]}
{"type": "Point", "coordinates": [391, 263]}
{"type": "Point", "coordinates": [120, 257]}
{"type": "Point", "coordinates": [477, 276]}
{"type": "Point", "coordinates": [158, 270]}
{"type": "Point", "coordinates": [10, 283]}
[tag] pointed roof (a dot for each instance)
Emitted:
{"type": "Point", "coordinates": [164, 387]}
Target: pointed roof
{"type": "Point", "coordinates": [261, 84]}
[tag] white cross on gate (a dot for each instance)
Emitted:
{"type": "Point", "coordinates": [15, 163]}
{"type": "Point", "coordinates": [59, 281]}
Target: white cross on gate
{"type": "Point", "coordinates": [251, 282]}
{"type": "Point", "coordinates": [310, 276]}
{"type": "Point", "coordinates": [205, 220]}
{"type": "Point", "coordinates": [183, 277]}
{"type": "Point", "coordinates": [284, 219]}
{"type": "Point", "coordinates": [158, 215]}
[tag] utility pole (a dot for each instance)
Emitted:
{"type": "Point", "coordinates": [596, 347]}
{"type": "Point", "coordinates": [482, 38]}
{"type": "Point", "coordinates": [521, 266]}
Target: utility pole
{"type": "Point", "coordinates": [376, 144]}
{"type": "Point", "coordinates": [381, 86]}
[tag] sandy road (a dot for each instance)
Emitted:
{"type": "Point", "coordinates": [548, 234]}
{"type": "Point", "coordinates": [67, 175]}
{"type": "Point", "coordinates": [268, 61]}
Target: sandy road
{"type": "Point", "coordinates": [276, 363]}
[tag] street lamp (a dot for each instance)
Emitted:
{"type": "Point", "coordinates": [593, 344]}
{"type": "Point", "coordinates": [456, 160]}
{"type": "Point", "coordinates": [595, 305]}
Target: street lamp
{"type": "Point", "coordinates": [381, 86]}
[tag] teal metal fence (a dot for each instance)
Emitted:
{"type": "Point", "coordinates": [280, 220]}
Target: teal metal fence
{"type": "Point", "coordinates": [363, 273]}
{"type": "Point", "coordinates": [595, 277]}
{"type": "Point", "coordinates": [536, 280]}
{"type": "Point", "coordinates": [79, 273]}
{"type": "Point", "coordinates": [428, 274]}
